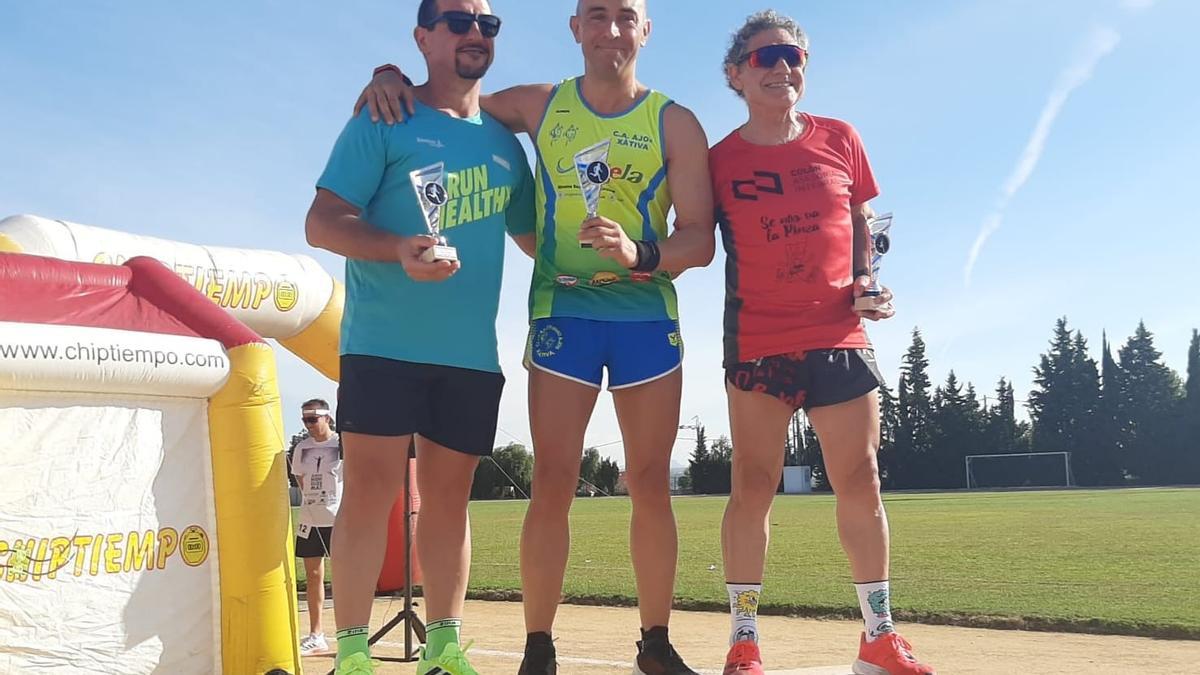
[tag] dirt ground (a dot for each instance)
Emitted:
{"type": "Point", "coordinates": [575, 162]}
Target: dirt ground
{"type": "Point", "coordinates": [599, 640]}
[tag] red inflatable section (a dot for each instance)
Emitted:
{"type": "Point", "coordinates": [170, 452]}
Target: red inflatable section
{"type": "Point", "coordinates": [391, 577]}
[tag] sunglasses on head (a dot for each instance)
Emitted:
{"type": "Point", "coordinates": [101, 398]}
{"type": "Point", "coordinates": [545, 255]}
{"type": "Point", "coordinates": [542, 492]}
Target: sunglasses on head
{"type": "Point", "coordinates": [459, 23]}
{"type": "Point", "coordinates": [767, 57]}
{"type": "Point", "coordinates": [311, 420]}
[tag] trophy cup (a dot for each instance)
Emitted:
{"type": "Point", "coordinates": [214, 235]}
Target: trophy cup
{"type": "Point", "coordinates": [591, 167]}
{"type": "Point", "coordinates": [431, 195]}
{"type": "Point", "coordinates": [881, 243]}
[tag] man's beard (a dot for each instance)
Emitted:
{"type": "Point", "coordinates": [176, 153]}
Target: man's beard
{"type": "Point", "coordinates": [472, 72]}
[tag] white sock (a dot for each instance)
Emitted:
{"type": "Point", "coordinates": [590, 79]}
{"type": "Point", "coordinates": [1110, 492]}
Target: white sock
{"type": "Point", "coordinates": [874, 599]}
{"type": "Point", "coordinates": [743, 611]}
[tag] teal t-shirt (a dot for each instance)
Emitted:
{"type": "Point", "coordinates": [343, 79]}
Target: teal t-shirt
{"type": "Point", "coordinates": [488, 189]}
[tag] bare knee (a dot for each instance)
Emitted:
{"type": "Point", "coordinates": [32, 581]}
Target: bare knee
{"type": "Point", "coordinates": [859, 481]}
{"type": "Point", "coordinates": [554, 485]}
{"type": "Point", "coordinates": [449, 487]}
{"type": "Point", "coordinates": [754, 487]}
{"type": "Point", "coordinates": [650, 481]}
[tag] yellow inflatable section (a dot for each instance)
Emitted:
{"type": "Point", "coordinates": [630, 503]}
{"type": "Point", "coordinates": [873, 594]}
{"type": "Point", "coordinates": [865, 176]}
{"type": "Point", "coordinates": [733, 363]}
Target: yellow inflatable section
{"type": "Point", "coordinates": [244, 417]}
{"type": "Point", "coordinates": [285, 297]}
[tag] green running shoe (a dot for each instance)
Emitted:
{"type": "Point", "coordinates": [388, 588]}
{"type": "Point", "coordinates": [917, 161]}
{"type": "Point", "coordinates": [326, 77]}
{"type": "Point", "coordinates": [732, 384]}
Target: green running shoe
{"type": "Point", "coordinates": [355, 664]}
{"type": "Point", "coordinates": [453, 661]}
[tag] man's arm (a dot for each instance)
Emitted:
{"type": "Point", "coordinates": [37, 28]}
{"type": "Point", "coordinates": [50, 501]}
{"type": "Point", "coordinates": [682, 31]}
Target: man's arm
{"type": "Point", "coordinates": [519, 108]}
{"type": "Point", "coordinates": [335, 225]}
{"type": "Point", "coordinates": [527, 243]}
{"type": "Point", "coordinates": [389, 97]}
{"type": "Point", "coordinates": [692, 243]}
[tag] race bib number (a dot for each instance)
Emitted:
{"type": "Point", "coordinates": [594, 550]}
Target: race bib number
{"type": "Point", "coordinates": [303, 530]}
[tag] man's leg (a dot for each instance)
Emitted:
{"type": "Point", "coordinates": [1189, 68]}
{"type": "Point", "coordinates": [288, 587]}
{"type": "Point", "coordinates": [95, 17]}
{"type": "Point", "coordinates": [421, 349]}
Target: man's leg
{"type": "Point", "coordinates": [314, 576]}
{"type": "Point", "coordinates": [444, 478]}
{"type": "Point", "coordinates": [649, 418]}
{"type": "Point", "coordinates": [758, 424]}
{"type": "Point", "coordinates": [373, 474]}
{"type": "Point", "coordinates": [559, 410]}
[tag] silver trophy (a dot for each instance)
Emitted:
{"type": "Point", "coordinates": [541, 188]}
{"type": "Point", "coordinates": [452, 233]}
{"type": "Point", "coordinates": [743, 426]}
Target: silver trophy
{"type": "Point", "coordinates": [881, 243]}
{"type": "Point", "coordinates": [431, 195]}
{"type": "Point", "coordinates": [591, 167]}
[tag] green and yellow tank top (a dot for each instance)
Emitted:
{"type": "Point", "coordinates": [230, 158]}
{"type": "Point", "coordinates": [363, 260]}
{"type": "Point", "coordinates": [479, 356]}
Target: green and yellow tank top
{"type": "Point", "coordinates": [569, 280]}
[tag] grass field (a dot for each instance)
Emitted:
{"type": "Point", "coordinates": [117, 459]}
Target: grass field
{"type": "Point", "coordinates": [1117, 561]}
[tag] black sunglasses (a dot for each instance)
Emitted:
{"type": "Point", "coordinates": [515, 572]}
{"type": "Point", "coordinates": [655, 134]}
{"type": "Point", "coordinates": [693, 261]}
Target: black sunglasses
{"type": "Point", "coordinates": [767, 57]}
{"type": "Point", "coordinates": [459, 23]}
{"type": "Point", "coordinates": [311, 420]}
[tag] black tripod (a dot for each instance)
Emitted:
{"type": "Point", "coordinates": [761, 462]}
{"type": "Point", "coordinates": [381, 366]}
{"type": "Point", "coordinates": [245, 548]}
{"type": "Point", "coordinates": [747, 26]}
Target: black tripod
{"type": "Point", "coordinates": [412, 623]}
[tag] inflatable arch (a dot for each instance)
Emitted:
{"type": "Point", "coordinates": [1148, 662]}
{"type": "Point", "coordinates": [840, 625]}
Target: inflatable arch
{"type": "Point", "coordinates": [285, 297]}
{"type": "Point", "coordinates": [144, 524]}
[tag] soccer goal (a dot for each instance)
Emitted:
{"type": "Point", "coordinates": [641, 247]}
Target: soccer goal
{"type": "Point", "coordinates": [1020, 469]}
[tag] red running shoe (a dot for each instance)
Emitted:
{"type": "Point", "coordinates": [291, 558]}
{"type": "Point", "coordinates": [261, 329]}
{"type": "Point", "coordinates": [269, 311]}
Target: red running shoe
{"type": "Point", "coordinates": [889, 654]}
{"type": "Point", "coordinates": [743, 659]}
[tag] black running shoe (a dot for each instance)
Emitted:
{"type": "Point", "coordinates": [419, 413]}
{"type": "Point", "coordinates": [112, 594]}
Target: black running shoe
{"type": "Point", "coordinates": [656, 656]}
{"type": "Point", "coordinates": [539, 655]}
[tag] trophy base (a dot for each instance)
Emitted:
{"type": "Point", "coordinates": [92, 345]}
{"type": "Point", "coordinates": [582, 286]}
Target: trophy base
{"type": "Point", "coordinates": [438, 253]}
{"type": "Point", "coordinates": [867, 301]}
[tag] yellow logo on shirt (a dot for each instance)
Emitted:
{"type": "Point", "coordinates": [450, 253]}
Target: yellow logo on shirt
{"type": "Point", "coordinates": [470, 197]}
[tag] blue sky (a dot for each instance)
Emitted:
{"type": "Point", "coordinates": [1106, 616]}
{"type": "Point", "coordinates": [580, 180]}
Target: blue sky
{"type": "Point", "coordinates": [1066, 132]}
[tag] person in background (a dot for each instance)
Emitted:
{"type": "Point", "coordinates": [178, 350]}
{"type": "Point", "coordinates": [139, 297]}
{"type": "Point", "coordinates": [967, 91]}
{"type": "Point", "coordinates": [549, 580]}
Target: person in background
{"type": "Point", "coordinates": [317, 467]}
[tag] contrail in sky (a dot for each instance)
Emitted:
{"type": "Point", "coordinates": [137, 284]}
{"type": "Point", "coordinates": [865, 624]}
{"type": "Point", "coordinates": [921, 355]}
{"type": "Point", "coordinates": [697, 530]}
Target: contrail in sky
{"type": "Point", "coordinates": [1100, 42]}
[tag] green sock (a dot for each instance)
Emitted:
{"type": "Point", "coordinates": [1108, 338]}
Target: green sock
{"type": "Point", "coordinates": [352, 641]}
{"type": "Point", "coordinates": [440, 633]}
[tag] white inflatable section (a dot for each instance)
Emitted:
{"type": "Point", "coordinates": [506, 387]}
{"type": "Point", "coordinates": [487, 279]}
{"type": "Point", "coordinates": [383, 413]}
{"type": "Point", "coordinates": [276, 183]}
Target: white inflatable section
{"type": "Point", "coordinates": [110, 556]}
{"type": "Point", "coordinates": [53, 358]}
{"type": "Point", "coordinates": [275, 294]}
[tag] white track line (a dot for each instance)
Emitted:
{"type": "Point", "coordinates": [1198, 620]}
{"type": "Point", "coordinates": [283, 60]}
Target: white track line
{"type": "Point", "coordinates": [579, 661]}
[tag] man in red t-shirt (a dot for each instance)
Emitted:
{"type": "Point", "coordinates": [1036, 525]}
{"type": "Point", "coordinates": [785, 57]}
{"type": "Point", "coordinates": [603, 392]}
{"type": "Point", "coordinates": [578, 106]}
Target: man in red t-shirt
{"type": "Point", "coordinates": [792, 192]}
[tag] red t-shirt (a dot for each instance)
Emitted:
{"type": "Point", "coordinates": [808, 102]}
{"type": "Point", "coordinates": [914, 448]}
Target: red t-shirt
{"type": "Point", "coordinates": [784, 212]}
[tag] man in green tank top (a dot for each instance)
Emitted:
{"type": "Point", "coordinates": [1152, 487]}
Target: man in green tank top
{"type": "Point", "coordinates": [602, 299]}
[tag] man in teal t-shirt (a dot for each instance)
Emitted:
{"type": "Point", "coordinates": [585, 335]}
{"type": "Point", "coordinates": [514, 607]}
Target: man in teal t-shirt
{"type": "Point", "coordinates": [418, 340]}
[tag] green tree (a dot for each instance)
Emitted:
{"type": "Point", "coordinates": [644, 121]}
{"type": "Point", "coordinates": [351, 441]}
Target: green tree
{"type": "Point", "coordinates": [508, 472]}
{"type": "Point", "coordinates": [1107, 465]}
{"type": "Point", "coordinates": [589, 470]}
{"type": "Point", "coordinates": [889, 429]}
{"type": "Point", "coordinates": [914, 436]}
{"type": "Point", "coordinates": [811, 456]}
{"type": "Point", "coordinates": [955, 430]}
{"type": "Point", "coordinates": [1066, 398]}
{"type": "Point", "coordinates": [1190, 427]}
{"type": "Point", "coordinates": [1152, 394]}
{"type": "Point", "coordinates": [721, 457]}
{"type": "Point", "coordinates": [607, 476]}
{"type": "Point", "coordinates": [697, 475]}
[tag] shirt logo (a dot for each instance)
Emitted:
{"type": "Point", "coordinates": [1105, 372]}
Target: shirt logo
{"type": "Point", "coordinates": [763, 182]}
{"type": "Point", "coordinates": [431, 142]}
{"type": "Point", "coordinates": [604, 279]}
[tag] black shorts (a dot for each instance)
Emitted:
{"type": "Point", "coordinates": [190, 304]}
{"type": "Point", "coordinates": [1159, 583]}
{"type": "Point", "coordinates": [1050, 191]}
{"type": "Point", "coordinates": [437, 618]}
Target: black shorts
{"type": "Point", "coordinates": [454, 407]}
{"type": "Point", "coordinates": [317, 544]}
{"type": "Point", "coordinates": [809, 379]}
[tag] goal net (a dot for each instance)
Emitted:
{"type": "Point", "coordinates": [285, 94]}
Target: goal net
{"type": "Point", "coordinates": [1024, 469]}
